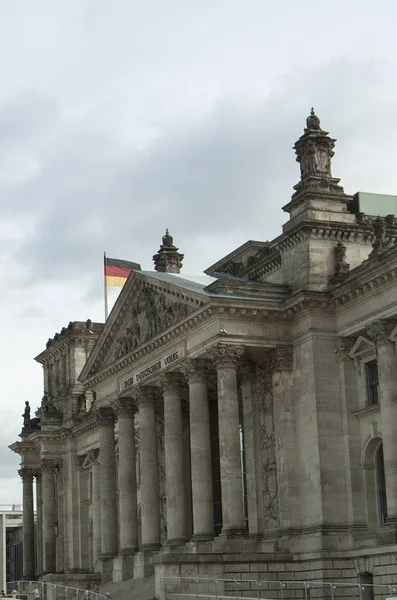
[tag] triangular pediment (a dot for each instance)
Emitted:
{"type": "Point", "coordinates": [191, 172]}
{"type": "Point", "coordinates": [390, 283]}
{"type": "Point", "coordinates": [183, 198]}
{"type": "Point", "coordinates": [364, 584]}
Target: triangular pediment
{"type": "Point", "coordinates": [146, 308]}
{"type": "Point", "coordinates": [361, 347]}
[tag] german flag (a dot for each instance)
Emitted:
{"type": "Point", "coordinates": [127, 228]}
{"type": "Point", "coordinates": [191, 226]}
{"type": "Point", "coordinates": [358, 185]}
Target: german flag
{"type": "Point", "coordinates": [117, 271]}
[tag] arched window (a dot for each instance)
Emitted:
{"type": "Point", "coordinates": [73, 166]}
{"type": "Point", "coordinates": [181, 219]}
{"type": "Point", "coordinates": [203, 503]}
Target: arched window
{"type": "Point", "coordinates": [381, 485]}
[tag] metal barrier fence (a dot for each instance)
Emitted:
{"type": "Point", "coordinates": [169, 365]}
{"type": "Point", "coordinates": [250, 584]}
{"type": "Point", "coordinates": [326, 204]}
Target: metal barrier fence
{"type": "Point", "coordinates": [43, 590]}
{"type": "Point", "coordinates": [206, 588]}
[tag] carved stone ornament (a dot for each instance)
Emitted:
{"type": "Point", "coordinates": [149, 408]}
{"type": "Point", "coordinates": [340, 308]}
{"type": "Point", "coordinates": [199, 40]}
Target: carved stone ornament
{"type": "Point", "coordinates": [170, 382]}
{"type": "Point", "coordinates": [225, 354]}
{"type": "Point", "coordinates": [125, 406]}
{"type": "Point", "coordinates": [92, 456]}
{"type": "Point", "coordinates": [343, 346]}
{"type": "Point", "coordinates": [282, 358]}
{"type": "Point", "coordinates": [152, 313]}
{"type": "Point", "coordinates": [148, 394]}
{"type": "Point", "coordinates": [380, 330]}
{"type": "Point", "coordinates": [26, 474]}
{"type": "Point", "coordinates": [341, 268]}
{"type": "Point", "coordinates": [246, 372]}
{"type": "Point", "coordinates": [380, 242]}
{"type": "Point", "coordinates": [47, 466]}
{"type": "Point", "coordinates": [104, 416]}
{"type": "Point", "coordinates": [195, 370]}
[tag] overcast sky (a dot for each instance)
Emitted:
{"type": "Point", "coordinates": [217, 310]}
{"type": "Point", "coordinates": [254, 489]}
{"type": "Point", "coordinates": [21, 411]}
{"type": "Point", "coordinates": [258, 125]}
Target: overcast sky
{"type": "Point", "coordinates": [121, 118]}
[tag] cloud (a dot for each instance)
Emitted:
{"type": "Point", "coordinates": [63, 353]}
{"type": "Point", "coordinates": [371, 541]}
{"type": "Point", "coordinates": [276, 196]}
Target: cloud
{"type": "Point", "coordinates": [223, 175]}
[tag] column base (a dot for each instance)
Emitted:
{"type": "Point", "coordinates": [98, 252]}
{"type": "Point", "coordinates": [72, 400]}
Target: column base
{"type": "Point", "coordinates": [202, 537]}
{"type": "Point", "coordinates": [123, 565]}
{"type": "Point", "coordinates": [176, 542]}
{"type": "Point", "coordinates": [155, 547]}
{"type": "Point", "coordinates": [106, 561]}
{"type": "Point", "coordinates": [234, 532]}
{"type": "Point", "coordinates": [142, 566]}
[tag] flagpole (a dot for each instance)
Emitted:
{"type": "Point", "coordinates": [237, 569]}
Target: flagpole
{"type": "Point", "coordinates": [105, 288]}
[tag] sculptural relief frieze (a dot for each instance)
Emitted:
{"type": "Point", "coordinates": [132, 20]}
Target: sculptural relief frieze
{"type": "Point", "coordinates": [152, 313]}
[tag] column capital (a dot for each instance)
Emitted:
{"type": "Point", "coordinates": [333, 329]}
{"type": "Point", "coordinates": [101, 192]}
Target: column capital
{"type": "Point", "coordinates": [343, 346]}
{"type": "Point", "coordinates": [47, 465]}
{"type": "Point", "coordinates": [282, 358]}
{"type": "Point", "coordinates": [379, 331]}
{"type": "Point", "coordinates": [125, 406]}
{"type": "Point", "coordinates": [149, 394]}
{"type": "Point", "coordinates": [170, 382]}
{"type": "Point", "coordinates": [223, 355]}
{"type": "Point", "coordinates": [104, 415]}
{"type": "Point", "coordinates": [246, 371]}
{"type": "Point", "coordinates": [195, 370]}
{"type": "Point", "coordinates": [26, 474]}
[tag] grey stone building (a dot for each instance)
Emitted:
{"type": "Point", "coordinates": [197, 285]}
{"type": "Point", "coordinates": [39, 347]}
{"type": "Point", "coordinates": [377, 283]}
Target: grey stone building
{"type": "Point", "coordinates": [244, 426]}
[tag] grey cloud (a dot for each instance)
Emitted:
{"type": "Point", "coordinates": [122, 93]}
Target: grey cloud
{"type": "Point", "coordinates": [226, 175]}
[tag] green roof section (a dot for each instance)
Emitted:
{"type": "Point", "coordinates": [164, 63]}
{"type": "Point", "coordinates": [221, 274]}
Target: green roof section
{"type": "Point", "coordinates": [374, 205]}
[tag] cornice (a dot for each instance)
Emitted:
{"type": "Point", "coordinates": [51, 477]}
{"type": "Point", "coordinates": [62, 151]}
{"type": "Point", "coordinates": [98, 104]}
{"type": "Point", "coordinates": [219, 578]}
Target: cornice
{"type": "Point", "coordinates": [309, 301]}
{"type": "Point", "coordinates": [373, 274]}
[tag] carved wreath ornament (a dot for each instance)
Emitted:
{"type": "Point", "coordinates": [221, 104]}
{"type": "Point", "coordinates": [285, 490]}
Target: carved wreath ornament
{"type": "Point", "coordinates": [153, 312]}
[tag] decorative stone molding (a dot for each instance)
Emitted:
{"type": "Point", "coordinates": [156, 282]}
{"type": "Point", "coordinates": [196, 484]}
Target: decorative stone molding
{"type": "Point", "coordinates": [26, 474]}
{"type": "Point", "coordinates": [149, 394]}
{"type": "Point", "coordinates": [246, 372]}
{"type": "Point", "coordinates": [343, 347]}
{"type": "Point", "coordinates": [170, 382]}
{"type": "Point", "coordinates": [104, 416]}
{"type": "Point", "coordinates": [124, 406]}
{"type": "Point", "coordinates": [47, 465]}
{"type": "Point", "coordinates": [92, 456]}
{"type": "Point", "coordinates": [380, 330]}
{"type": "Point", "coordinates": [195, 370]}
{"type": "Point", "coordinates": [225, 354]}
{"type": "Point", "coordinates": [282, 358]}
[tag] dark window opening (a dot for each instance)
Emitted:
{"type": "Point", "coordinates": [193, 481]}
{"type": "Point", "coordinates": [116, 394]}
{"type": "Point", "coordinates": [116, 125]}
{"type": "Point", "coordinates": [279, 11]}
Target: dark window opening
{"type": "Point", "coordinates": [216, 470]}
{"type": "Point", "coordinates": [381, 481]}
{"type": "Point", "coordinates": [371, 372]}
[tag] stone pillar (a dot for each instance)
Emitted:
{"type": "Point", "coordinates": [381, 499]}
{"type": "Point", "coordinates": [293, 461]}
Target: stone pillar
{"type": "Point", "coordinates": [48, 498]}
{"type": "Point", "coordinates": [39, 525]}
{"type": "Point", "coordinates": [28, 570]}
{"type": "Point", "coordinates": [225, 357]}
{"type": "Point", "coordinates": [128, 510]}
{"type": "Point", "coordinates": [173, 452]}
{"type": "Point", "coordinates": [355, 492]}
{"type": "Point", "coordinates": [200, 449]}
{"type": "Point", "coordinates": [387, 372]}
{"type": "Point", "coordinates": [96, 509]}
{"type": "Point", "coordinates": [252, 444]}
{"type": "Point", "coordinates": [59, 520]}
{"type": "Point", "coordinates": [107, 461]}
{"type": "Point", "coordinates": [283, 478]}
{"type": "Point", "coordinates": [150, 508]}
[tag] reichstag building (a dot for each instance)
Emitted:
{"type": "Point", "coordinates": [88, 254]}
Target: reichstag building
{"type": "Point", "coordinates": [240, 425]}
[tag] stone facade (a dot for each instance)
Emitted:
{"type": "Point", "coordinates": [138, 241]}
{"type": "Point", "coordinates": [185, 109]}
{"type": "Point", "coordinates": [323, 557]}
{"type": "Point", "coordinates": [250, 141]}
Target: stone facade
{"type": "Point", "coordinates": [241, 427]}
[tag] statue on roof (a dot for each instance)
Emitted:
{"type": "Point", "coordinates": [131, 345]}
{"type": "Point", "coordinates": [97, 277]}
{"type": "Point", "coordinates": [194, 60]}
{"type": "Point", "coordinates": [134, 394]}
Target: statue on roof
{"type": "Point", "coordinates": [26, 415]}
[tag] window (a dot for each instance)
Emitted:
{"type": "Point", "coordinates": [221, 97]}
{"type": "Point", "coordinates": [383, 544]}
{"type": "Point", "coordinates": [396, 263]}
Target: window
{"type": "Point", "coordinates": [371, 373]}
{"type": "Point", "coordinates": [381, 485]}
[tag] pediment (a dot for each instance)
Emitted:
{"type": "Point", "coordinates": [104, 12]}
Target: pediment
{"type": "Point", "coordinates": [361, 347]}
{"type": "Point", "coordinates": [145, 309]}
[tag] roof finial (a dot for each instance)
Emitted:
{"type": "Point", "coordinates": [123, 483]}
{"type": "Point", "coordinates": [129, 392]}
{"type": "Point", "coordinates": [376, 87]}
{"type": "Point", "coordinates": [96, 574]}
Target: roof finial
{"type": "Point", "coordinates": [168, 259]}
{"type": "Point", "coordinates": [312, 121]}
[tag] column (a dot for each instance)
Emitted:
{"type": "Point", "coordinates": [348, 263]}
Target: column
{"type": "Point", "coordinates": [387, 372]}
{"type": "Point", "coordinates": [225, 358]}
{"type": "Point", "coordinates": [150, 507]}
{"type": "Point", "coordinates": [39, 525]}
{"type": "Point", "coordinates": [107, 460]}
{"type": "Point", "coordinates": [173, 452]}
{"type": "Point", "coordinates": [128, 509]}
{"type": "Point", "coordinates": [60, 533]}
{"type": "Point", "coordinates": [355, 490]}
{"type": "Point", "coordinates": [28, 524]}
{"type": "Point", "coordinates": [96, 508]}
{"type": "Point", "coordinates": [48, 498]}
{"type": "Point", "coordinates": [200, 449]}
